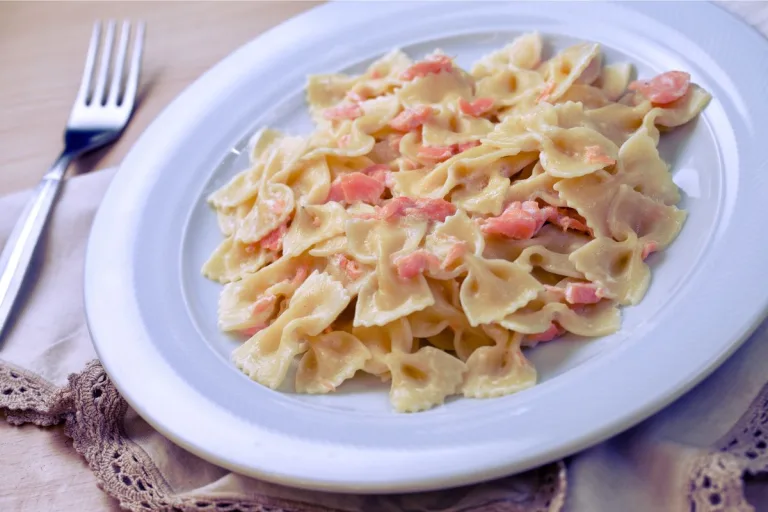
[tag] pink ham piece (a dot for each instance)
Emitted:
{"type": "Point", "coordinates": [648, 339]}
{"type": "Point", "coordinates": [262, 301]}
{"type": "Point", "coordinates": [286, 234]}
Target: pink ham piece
{"type": "Point", "coordinates": [356, 186]}
{"type": "Point", "coordinates": [648, 249]}
{"type": "Point", "coordinates": [411, 118]}
{"type": "Point", "coordinates": [664, 88]}
{"type": "Point", "coordinates": [413, 264]}
{"type": "Point", "coordinates": [554, 331]}
{"type": "Point", "coordinates": [436, 153]}
{"type": "Point", "coordinates": [431, 209]}
{"type": "Point", "coordinates": [431, 65]}
{"type": "Point", "coordinates": [273, 241]}
{"type": "Point", "coordinates": [344, 141]}
{"type": "Point", "coordinates": [519, 221]}
{"type": "Point", "coordinates": [457, 251]}
{"type": "Point", "coordinates": [583, 293]}
{"type": "Point", "coordinates": [348, 266]}
{"type": "Point", "coordinates": [343, 112]}
{"type": "Point", "coordinates": [567, 218]}
{"type": "Point", "coordinates": [381, 173]}
{"type": "Point", "coordinates": [477, 107]}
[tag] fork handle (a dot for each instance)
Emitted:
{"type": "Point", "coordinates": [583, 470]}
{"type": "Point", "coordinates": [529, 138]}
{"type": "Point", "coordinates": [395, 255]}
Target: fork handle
{"type": "Point", "coordinates": [20, 247]}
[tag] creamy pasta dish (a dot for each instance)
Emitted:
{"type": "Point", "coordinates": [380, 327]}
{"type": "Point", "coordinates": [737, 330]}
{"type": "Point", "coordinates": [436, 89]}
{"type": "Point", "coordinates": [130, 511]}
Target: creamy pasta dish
{"type": "Point", "coordinates": [438, 220]}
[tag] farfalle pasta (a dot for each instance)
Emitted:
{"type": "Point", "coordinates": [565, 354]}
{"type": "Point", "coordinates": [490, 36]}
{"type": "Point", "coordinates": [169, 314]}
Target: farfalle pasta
{"type": "Point", "coordinates": [438, 221]}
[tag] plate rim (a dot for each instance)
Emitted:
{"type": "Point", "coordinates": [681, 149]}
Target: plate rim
{"type": "Point", "coordinates": [102, 347]}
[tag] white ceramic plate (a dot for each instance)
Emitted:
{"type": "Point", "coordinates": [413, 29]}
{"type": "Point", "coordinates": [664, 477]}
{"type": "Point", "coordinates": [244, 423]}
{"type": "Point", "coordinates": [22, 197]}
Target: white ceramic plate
{"type": "Point", "coordinates": [153, 317]}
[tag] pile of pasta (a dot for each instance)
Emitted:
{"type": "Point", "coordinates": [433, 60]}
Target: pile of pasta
{"type": "Point", "coordinates": [437, 221]}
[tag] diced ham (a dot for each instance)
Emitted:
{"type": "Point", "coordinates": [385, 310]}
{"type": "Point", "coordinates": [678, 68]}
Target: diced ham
{"type": "Point", "coordinates": [432, 64]}
{"type": "Point", "coordinates": [436, 153]}
{"type": "Point", "coordinates": [413, 264]}
{"type": "Point", "coordinates": [350, 267]}
{"type": "Point", "coordinates": [549, 88]}
{"type": "Point", "coordinates": [477, 107]}
{"type": "Point", "coordinates": [569, 219]}
{"type": "Point", "coordinates": [519, 221]}
{"type": "Point", "coordinates": [664, 88]}
{"type": "Point", "coordinates": [263, 303]}
{"type": "Point", "coordinates": [356, 186]}
{"type": "Point", "coordinates": [375, 74]}
{"type": "Point", "coordinates": [273, 241]}
{"type": "Point", "coordinates": [648, 249]}
{"type": "Point", "coordinates": [343, 112]}
{"type": "Point", "coordinates": [583, 293]}
{"type": "Point", "coordinates": [554, 331]}
{"type": "Point", "coordinates": [411, 118]}
{"type": "Point", "coordinates": [250, 331]}
{"type": "Point", "coordinates": [595, 155]}
{"type": "Point", "coordinates": [431, 209]}
{"type": "Point", "coordinates": [381, 173]}
{"type": "Point", "coordinates": [457, 251]}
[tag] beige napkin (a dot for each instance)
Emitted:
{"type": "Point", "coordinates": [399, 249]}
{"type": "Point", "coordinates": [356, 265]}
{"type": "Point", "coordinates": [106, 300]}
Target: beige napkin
{"type": "Point", "coordinates": [691, 456]}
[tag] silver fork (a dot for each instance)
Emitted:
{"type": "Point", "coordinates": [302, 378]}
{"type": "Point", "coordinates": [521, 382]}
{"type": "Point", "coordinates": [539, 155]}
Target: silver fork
{"type": "Point", "coordinates": [101, 111]}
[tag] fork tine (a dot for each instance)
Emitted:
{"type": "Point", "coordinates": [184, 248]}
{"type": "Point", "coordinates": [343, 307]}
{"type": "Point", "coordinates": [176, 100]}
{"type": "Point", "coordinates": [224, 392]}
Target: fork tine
{"type": "Point", "coordinates": [106, 57]}
{"type": "Point", "coordinates": [116, 85]}
{"type": "Point", "coordinates": [90, 59]}
{"type": "Point", "coordinates": [132, 83]}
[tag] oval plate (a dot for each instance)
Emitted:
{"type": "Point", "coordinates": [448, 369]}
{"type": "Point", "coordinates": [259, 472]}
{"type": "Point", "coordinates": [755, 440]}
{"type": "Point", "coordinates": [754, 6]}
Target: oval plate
{"type": "Point", "coordinates": [153, 316]}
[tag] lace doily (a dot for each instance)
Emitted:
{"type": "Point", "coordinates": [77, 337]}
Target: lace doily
{"type": "Point", "coordinates": [93, 413]}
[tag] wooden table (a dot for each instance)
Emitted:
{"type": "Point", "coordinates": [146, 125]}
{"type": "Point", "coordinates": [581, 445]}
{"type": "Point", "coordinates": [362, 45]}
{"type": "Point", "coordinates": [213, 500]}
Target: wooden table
{"type": "Point", "coordinates": [42, 51]}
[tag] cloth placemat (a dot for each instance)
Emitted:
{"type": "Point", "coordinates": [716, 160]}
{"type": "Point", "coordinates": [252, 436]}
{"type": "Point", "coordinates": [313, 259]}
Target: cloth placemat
{"type": "Point", "coordinates": [706, 452]}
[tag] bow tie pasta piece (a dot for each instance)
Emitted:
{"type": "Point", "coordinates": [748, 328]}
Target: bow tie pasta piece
{"type": "Point", "coordinates": [232, 259]}
{"type": "Point", "coordinates": [385, 296]}
{"type": "Point", "coordinates": [494, 289]}
{"type": "Point", "coordinates": [310, 181]}
{"type": "Point", "coordinates": [450, 241]}
{"type": "Point", "coordinates": [565, 68]}
{"type": "Point", "coordinates": [444, 314]}
{"type": "Point", "coordinates": [229, 219]}
{"type": "Point", "coordinates": [423, 379]}
{"type": "Point", "coordinates": [522, 53]}
{"type": "Point", "coordinates": [270, 214]}
{"type": "Point", "coordinates": [617, 267]}
{"type": "Point", "coordinates": [331, 359]}
{"type": "Point", "coordinates": [498, 370]}
{"type": "Point", "coordinates": [381, 340]}
{"type": "Point", "coordinates": [313, 224]}
{"type": "Point", "coordinates": [574, 152]}
{"type": "Point", "coordinates": [447, 127]}
{"type": "Point", "coordinates": [510, 87]}
{"type": "Point", "coordinates": [550, 261]}
{"type": "Point", "coordinates": [442, 88]}
{"type": "Point", "coordinates": [539, 316]}
{"type": "Point", "coordinates": [241, 303]}
{"type": "Point", "coordinates": [614, 79]}
{"type": "Point", "coordinates": [267, 355]}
